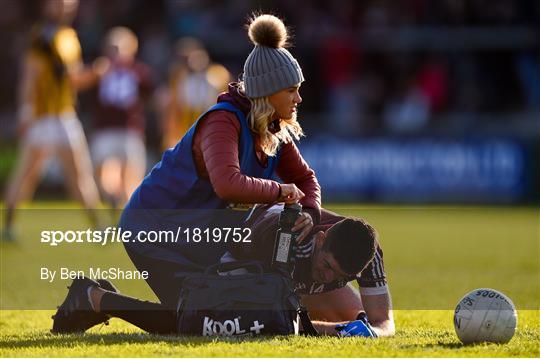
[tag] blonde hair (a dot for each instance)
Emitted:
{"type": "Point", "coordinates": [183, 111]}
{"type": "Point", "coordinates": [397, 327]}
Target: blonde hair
{"type": "Point", "coordinates": [259, 118]}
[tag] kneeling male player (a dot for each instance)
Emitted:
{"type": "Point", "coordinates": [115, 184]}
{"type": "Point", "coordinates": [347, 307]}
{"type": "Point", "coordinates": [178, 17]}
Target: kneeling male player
{"type": "Point", "coordinates": [336, 251]}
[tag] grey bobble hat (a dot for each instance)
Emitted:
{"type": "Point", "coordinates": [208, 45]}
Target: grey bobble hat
{"type": "Point", "coordinates": [270, 67]}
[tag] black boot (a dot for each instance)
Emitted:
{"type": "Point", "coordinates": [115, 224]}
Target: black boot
{"type": "Point", "coordinates": [76, 315]}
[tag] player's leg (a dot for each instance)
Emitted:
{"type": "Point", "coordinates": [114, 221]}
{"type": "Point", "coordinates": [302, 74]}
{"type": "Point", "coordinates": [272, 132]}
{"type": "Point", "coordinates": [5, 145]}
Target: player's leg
{"type": "Point", "coordinates": [107, 165]}
{"type": "Point", "coordinates": [108, 175]}
{"type": "Point", "coordinates": [129, 179]}
{"type": "Point", "coordinates": [133, 166]}
{"type": "Point", "coordinates": [24, 179]}
{"type": "Point", "coordinates": [339, 305]}
{"type": "Point", "coordinates": [89, 303]}
{"type": "Point", "coordinates": [74, 155]}
{"type": "Point", "coordinates": [157, 318]}
{"type": "Point", "coordinates": [80, 181]}
{"type": "Point", "coordinates": [154, 318]}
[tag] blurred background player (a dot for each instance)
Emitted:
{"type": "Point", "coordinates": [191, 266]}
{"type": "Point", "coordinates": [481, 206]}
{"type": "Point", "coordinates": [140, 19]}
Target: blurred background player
{"type": "Point", "coordinates": [47, 122]}
{"type": "Point", "coordinates": [194, 85]}
{"type": "Point", "coordinates": [117, 146]}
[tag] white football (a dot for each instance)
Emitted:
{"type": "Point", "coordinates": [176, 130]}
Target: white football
{"type": "Point", "coordinates": [485, 315]}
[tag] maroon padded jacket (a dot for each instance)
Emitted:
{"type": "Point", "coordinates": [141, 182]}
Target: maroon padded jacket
{"type": "Point", "coordinates": [215, 153]}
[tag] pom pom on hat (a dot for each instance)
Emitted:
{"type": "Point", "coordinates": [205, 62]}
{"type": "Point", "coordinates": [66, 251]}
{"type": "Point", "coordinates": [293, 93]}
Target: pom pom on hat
{"type": "Point", "coordinates": [267, 30]}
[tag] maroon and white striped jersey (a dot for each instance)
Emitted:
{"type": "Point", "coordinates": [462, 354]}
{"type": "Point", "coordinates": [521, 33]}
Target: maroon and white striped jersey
{"type": "Point", "coordinates": [121, 96]}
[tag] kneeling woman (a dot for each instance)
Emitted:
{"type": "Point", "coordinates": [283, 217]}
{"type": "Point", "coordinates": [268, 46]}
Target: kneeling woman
{"type": "Point", "coordinates": [228, 157]}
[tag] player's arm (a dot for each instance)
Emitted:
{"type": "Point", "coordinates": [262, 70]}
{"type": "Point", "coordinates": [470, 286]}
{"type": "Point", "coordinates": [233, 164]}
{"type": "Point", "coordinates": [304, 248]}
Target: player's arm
{"type": "Point", "coordinates": [219, 135]}
{"type": "Point", "coordinates": [83, 77]}
{"type": "Point", "coordinates": [80, 75]}
{"type": "Point", "coordinates": [375, 296]}
{"type": "Point", "coordinates": [379, 312]}
{"type": "Point", "coordinates": [292, 168]}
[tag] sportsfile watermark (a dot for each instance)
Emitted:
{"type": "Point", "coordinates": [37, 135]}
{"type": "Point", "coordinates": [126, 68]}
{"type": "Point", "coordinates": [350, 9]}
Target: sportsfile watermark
{"type": "Point", "coordinates": [431, 256]}
{"type": "Point", "coordinates": [111, 235]}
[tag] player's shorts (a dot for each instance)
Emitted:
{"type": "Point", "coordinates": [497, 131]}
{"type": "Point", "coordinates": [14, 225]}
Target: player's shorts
{"type": "Point", "coordinates": [56, 131]}
{"type": "Point", "coordinates": [127, 146]}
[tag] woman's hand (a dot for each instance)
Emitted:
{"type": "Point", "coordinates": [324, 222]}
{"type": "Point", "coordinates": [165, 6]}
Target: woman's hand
{"type": "Point", "coordinates": [304, 223]}
{"type": "Point", "coordinates": [290, 193]}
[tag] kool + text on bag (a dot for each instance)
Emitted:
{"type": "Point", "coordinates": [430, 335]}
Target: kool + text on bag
{"type": "Point", "coordinates": [255, 303]}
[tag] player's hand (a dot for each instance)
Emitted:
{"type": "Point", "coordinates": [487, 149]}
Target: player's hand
{"type": "Point", "coordinates": [304, 224]}
{"type": "Point", "coordinates": [101, 65]}
{"type": "Point", "coordinates": [356, 328]}
{"type": "Point", "coordinates": [290, 193]}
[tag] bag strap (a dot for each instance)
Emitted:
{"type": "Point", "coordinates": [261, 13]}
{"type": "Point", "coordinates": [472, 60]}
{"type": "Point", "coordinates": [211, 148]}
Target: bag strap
{"type": "Point", "coordinates": [228, 266]}
{"type": "Point", "coordinates": [307, 325]}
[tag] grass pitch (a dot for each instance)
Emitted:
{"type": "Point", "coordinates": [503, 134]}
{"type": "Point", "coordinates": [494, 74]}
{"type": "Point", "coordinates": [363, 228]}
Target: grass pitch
{"type": "Point", "coordinates": [420, 334]}
{"type": "Point", "coordinates": [433, 256]}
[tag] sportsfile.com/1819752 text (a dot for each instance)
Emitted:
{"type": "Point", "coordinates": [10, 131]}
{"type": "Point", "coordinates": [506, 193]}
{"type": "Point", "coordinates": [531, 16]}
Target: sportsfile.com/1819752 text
{"type": "Point", "coordinates": [117, 235]}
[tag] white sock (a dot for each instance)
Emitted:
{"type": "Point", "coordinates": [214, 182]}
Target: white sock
{"type": "Point", "coordinates": [88, 290]}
